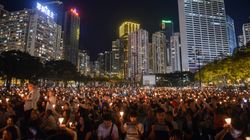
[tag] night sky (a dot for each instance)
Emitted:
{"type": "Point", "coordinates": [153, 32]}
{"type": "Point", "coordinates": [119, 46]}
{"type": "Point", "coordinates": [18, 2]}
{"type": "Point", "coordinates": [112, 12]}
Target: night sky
{"type": "Point", "coordinates": [100, 19]}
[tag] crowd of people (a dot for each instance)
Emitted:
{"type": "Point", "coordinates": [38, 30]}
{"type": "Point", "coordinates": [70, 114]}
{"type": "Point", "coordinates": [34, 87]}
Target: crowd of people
{"type": "Point", "coordinates": [123, 113]}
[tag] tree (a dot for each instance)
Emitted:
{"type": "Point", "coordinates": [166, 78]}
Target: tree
{"type": "Point", "coordinates": [20, 65]}
{"type": "Point", "coordinates": [60, 70]}
{"type": "Point", "coordinates": [235, 68]}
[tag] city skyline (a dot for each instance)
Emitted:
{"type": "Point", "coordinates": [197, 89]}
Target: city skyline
{"type": "Point", "coordinates": [100, 20]}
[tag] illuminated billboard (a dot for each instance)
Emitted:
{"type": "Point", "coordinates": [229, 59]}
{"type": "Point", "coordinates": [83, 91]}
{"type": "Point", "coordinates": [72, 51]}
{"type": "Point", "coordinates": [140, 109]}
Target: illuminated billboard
{"type": "Point", "coordinates": [45, 10]}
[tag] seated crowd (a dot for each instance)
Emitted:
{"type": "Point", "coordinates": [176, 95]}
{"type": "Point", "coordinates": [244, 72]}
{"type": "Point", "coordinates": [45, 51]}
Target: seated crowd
{"type": "Point", "coordinates": [123, 113]}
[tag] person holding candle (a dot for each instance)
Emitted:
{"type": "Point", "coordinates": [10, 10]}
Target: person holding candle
{"type": "Point", "coordinates": [233, 130]}
{"type": "Point", "coordinates": [51, 100]}
{"type": "Point", "coordinates": [133, 129]}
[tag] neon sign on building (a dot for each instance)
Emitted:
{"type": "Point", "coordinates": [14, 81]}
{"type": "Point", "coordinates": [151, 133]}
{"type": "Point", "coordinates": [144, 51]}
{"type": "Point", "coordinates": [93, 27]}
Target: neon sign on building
{"type": "Point", "coordinates": [74, 11]}
{"type": "Point", "coordinates": [45, 10]}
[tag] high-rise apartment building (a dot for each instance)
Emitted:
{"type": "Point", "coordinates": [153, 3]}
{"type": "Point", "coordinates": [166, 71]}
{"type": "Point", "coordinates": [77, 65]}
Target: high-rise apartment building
{"type": "Point", "coordinates": [203, 28]}
{"type": "Point", "coordinates": [71, 35]}
{"type": "Point", "coordinates": [240, 40]}
{"type": "Point", "coordinates": [159, 53]}
{"type": "Point", "coordinates": [167, 27]}
{"type": "Point", "coordinates": [117, 58]}
{"type": "Point", "coordinates": [138, 62]}
{"type": "Point", "coordinates": [33, 31]}
{"type": "Point", "coordinates": [83, 62]}
{"type": "Point", "coordinates": [246, 33]}
{"type": "Point", "coordinates": [231, 35]}
{"type": "Point", "coordinates": [175, 45]}
{"type": "Point", "coordinates": [124, 30]}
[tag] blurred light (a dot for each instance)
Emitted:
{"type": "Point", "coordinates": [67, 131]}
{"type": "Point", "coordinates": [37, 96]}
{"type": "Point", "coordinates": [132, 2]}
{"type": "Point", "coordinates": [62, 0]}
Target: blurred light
{"type": "Point", "coordinates": [166, 21]}
{"type": "Point", "coordinates": [45, 10]}
{"type": "Point", "coordinates": [73, 10]}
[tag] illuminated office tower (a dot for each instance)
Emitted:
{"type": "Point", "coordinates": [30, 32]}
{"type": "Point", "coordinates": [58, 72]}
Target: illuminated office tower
{"type": "Point", "coordinates": [138, 62]}
{"type": "Point", "coordinates": [71, 35]}
{"type": "Point", "coordinates": [124, 30]}
{"type": "Point", "coordinates": [203, 28]}
{"type": "Point", "coordinates": [33, 31]}
{"type": "Point", "coordinates": [231, 35]}
{"type": "Point", "coordinates": [83, 63]}
{"type": "Point", "coordinates": [246, 33]}
{"type": "Point", "coordinates": [167, 27]}
{"type": "Point", "coordinates": [117, 57]}
{"type": "Point", "coordinates": [175, 45]}
{"type": "Point", "coordinates": [101, 64]}
{"type": "Point", "coordinates": [151, 56]}
{"type": "Point", "coordinates": [159, 53]}
{"type": "Point", "coordinates": [240, 40]}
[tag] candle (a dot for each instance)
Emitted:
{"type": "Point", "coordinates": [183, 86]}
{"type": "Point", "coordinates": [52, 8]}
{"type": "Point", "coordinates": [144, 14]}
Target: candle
{"type": "Point", "coordinates": [7, 99]}
{"type": "Point", "coordinates": [228, 121]}
{"type": "Point", "coordinates": [54, 106]}
{"type": "Point", "coordinates": [61, 120]}
{"type": "Point", "coordinates": [121, 113]}
{"type": "Point", "coordinates": [70, 124]}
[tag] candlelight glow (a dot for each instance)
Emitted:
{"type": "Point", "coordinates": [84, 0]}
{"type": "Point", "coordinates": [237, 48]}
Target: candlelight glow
{"type": "Point", "coordinates": [228, 121]}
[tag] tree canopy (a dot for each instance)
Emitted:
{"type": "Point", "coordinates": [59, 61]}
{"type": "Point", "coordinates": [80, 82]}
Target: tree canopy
{"type": "Point", "coordinates": [234, 69]}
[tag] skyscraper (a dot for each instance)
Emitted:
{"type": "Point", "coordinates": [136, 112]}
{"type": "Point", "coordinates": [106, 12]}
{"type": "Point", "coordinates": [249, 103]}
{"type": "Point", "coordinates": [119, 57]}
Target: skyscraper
{"type": "Point", "coordinates": [83, 63]}
{"type": "Point", "coordinates": [240, 40]}
{"type": "Point", "coordinates": [71, 35]}
{"type": "Point", "coordinates": [246, 33]}
{"type": "Point", "coordinates": [138, 62]}
{"type": "Point", "coordinates": [231, 35]}
{"type": "Point", "coordinates": [117, 57]}
{"type": "Point", "coordinates": [159, 53]}
{"type": "Point", "coordinates": [167, 27]}
{"type": "Point", "coordinates": [31, 30]}
{"type": "Point", "coordinates": [124, 30]}
{"type": "Point", "coordinates": [175, 45]}
{"type": "Point", "coordinates": [203, 29]}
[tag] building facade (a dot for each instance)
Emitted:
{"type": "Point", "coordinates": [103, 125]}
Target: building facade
{"type": "Point", "coordinates": [124, 30]}
{"type": "Point", "coordinates": [203, 29]}
{"type": "Point", "coordinates": [83, 63]}
{"type": "Point", "coordinates": [117, 58]}
{"type": "Point", "coordinates": [240, 40]}
{"type": "Point", "coordinates": [231, 35]}
{"type": "Point", "coordinates": [33, 31]}
{"type": "Point", "coordinates": [159, 53]}
{"type": "Point", "coordinates": [175, 45]}
{"type": "Point", "coordinates": [138, 62]}
{"type": "Point", "coordinates": [71, 36]}
{"type": "Point", "coordinates": [246, 33]}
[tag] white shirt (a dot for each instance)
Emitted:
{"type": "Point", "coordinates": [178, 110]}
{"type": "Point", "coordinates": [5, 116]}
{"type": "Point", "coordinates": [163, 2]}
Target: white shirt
{"type": "Point", "coordinates": [31, 103]}
{"type": "Point", "coordinates": [52, 101]}
{"type": "Point", "coordinates": [103, 132]}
